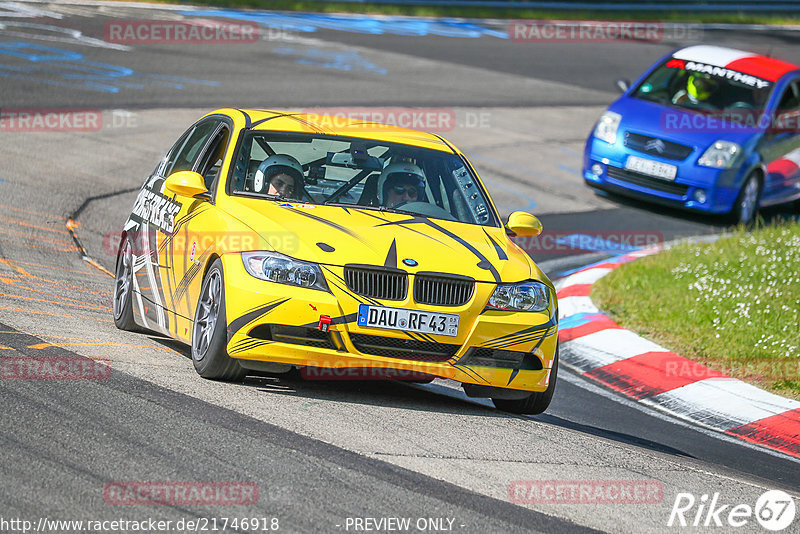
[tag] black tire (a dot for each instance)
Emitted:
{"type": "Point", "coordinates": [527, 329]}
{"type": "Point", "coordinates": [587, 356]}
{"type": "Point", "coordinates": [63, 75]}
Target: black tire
{"type": "Point", "coordinates": [534, 404]}
{"type": "Point", "coordinates": [745, 209]}
{"type": "Point", "coordinates": [209, 336]}
{"type": "Point", "coordinates": [123, 288]}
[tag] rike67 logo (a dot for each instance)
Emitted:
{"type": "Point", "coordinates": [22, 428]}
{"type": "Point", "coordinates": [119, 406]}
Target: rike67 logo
{"type": "Point", "coordinates": [774, 510]}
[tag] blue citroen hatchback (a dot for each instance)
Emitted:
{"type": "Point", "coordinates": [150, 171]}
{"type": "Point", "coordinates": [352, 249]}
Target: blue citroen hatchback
{"type": "Point", "coordinates": [706, 128]}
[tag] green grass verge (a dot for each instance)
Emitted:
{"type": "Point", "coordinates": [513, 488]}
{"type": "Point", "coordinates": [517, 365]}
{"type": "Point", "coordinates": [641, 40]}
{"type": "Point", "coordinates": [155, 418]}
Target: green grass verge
{"type": "Point", "coordinates": [500, 13]}
{"type": "Point", "coordinates": [733, 305]}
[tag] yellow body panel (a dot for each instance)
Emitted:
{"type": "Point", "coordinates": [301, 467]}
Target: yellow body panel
{"type": "Point", "coordinates": [229, 225]}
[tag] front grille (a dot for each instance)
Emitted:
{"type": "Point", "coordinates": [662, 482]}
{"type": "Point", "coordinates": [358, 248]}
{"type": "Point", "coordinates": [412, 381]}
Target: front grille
{"type": "Point", "coordinates": [376, 282]}
{"type": "Point", "coordinates": [624, 175]}
{"type": "Point", "coordinates": [657, 147]}
{"type": "Point", "coordinates": [504, 359]}
{"type": "Point", "coordinates": [406, 349]}
{"type": "Point", "coordinates": [442, 289]}
{"type": "Point", "coordinates": [296, 335]}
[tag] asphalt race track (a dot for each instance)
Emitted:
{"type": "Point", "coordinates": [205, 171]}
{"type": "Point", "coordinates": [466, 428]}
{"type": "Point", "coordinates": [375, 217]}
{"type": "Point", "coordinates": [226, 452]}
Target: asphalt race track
{"type": "Point", "coordinates": [321, 454]}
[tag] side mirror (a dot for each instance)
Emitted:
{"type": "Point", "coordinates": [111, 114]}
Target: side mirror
{"type": "Point", "coordinates": [186, 184]}
{"type": "Point", "coordinates": [523, 224]}
{"type": "Point", "coordinates": [787, 122]}
{"type": "Point", "coordinates": [623, 85]}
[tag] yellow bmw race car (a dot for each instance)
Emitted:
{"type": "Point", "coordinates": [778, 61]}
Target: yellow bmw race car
{"type": "Point", "coordinates": [270, 241]}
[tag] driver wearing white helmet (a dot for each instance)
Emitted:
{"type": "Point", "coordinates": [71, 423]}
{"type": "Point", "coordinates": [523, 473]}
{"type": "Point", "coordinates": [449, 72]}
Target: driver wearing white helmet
{"type": "Point", "coordinates": [283, 175]}
{"type": "Point", "coordinates": [400, 183]}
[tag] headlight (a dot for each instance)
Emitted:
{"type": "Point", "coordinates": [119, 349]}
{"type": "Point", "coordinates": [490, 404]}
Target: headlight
{"type": "Point", "coordinates": [527, 296]}
{"type": "Point", "coordinates": [607, 126]}
{"type": "Point", "coordinates": [720, 155]}
{"type": "Point", "coordinates": [275, 267]}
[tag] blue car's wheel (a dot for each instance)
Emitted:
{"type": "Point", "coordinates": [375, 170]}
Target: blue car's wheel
{"type": "Point", "coordinates": [746, 207]}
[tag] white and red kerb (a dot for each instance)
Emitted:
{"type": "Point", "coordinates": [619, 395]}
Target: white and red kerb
{"type": "Point", "coordinates": [599, 349]}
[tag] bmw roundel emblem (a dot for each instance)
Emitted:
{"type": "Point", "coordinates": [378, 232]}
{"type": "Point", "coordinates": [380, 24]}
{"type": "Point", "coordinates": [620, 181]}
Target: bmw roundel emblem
{"type": "Point", "coordinates": [410, 263]}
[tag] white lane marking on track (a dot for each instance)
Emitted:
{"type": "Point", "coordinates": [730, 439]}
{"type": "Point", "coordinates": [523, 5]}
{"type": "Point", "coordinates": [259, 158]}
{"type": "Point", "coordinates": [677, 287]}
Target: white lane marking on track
{"type": "Point", "coordinates": [62, 35]}
{"type": "Point", "coordinates": [25, 11]}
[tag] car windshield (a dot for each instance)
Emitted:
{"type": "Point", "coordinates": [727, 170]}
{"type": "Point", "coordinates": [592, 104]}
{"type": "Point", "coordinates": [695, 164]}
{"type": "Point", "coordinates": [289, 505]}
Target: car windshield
{"type": "Point", "coordinates": [333, 170]}
{"type": "Point", "coordinates": [704, 88]}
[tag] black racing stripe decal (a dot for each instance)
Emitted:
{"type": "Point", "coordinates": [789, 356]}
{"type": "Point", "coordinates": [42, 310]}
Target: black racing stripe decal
{"type": "Point", "coordinates": [530, 330]}
{"type": "Point", "coordinates": [413, 220]}
{"type": "Point", "coordinates": [470, 372]}
{"type": "Point", "coordinates": [514, 374]}
{"type": "Point", "coordinates": [484, 262]}
{"type": "Point", "coordinates": [190, 275]}
{"type": "Point", "coordinates": [316, 127]}
{"type": "Point", "coordinates": [276, 116]}
{"type": "Point", "coordinates": [326, 221]}
{"type": "Point", "coordinates": [443, 140]}
{"type": "Point", "coordinates": [258, 343]}
{"type": "Point", "coordinates": [369, 214]}
{"type": "Point", "coordinates": [391, 256]}
{"type": "Point", "coordinates": [342, 285]}
{"type": "Point", "coordinates": [247, 120]}
{"type": "Point", "coordinates": [235, 325]}
{"type": "Point", "coordinates": [245, 344]}
{"type": "Point", "coordinates": [501, 254]}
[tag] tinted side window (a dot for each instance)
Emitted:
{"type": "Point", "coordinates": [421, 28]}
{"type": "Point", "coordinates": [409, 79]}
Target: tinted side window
{"type": "Point", "coordinates": [790, 100]}
{"type": "Point", "coordinates": [184, 157]}
{"type": "Point", "coordinates": [212, 160]}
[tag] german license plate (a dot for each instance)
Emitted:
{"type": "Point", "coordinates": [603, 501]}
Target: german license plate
{"type": "Point", "coordinates": [651, 168]}
{"type": "Point", "coordinates": [440, 324]}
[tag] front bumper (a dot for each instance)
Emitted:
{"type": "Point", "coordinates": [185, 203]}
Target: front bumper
{"type": "Point", "coordinates": [720, 187]}
{"type": "Point", "coordinates": [269, 322]}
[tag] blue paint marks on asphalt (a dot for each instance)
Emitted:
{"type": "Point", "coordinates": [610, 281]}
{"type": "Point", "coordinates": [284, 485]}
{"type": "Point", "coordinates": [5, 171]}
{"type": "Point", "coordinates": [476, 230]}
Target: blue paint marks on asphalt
{"type": "Point", "coordinates": [47, 63]}
{"type": "Point", "coordinates": [348, 61]}
{"type": "Point", "coordinates": [579, 319]}
{"type": "Point", "coordinates": [569, 151]}
{"type": "Point", "coordinates": [595, 244]}
{"type": "Point", "coordinates": [365, 24]}
{"type": "Point", "coordinates": [569, 170]}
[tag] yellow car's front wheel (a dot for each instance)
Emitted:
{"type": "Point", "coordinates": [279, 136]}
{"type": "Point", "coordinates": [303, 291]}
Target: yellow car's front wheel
{"type": "Point", "coordinates": [209, 356]}
{"type": "Point", "coordinates": [535, 403]}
